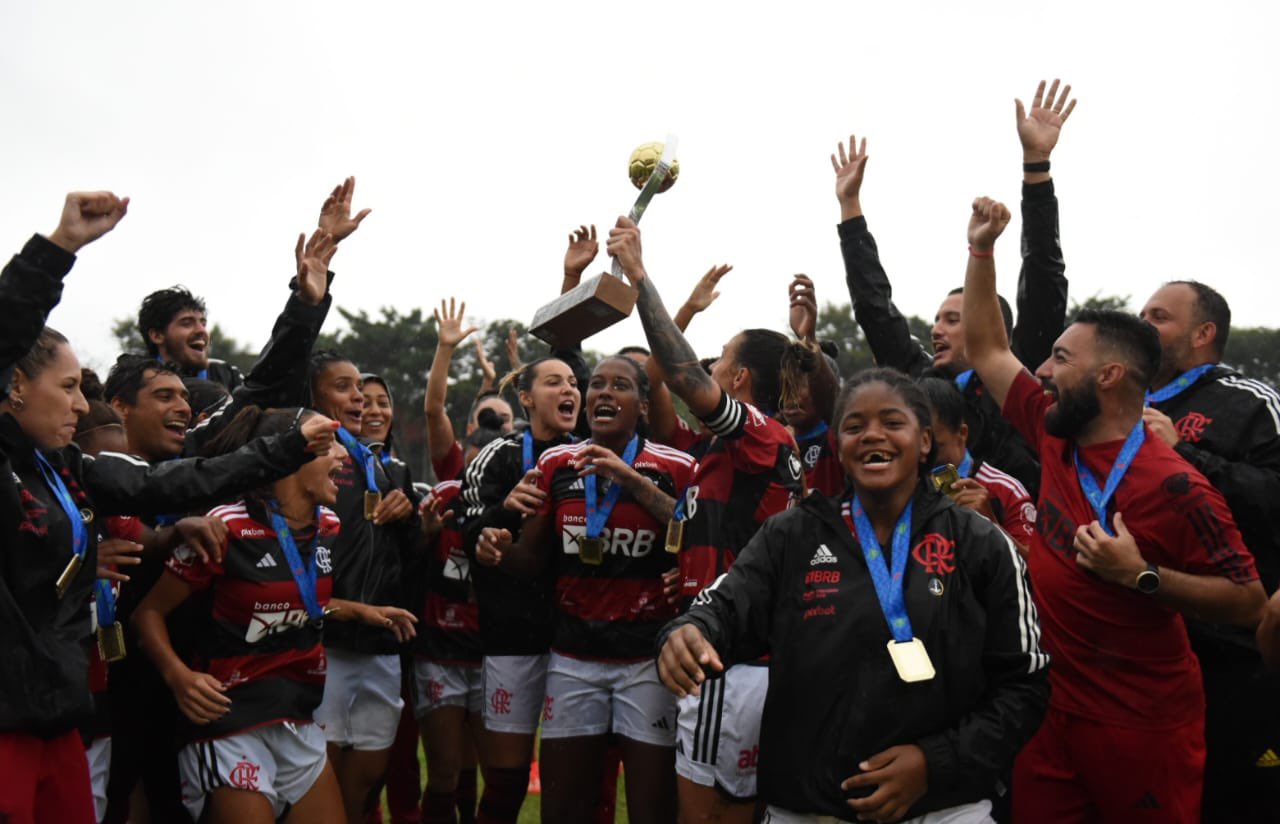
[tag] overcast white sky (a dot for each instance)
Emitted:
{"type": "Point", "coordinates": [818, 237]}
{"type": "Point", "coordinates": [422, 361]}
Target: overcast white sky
{"type": "Point", "coordinates": [480, 133]}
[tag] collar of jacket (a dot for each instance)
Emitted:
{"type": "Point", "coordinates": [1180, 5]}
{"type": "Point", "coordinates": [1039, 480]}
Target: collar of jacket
{"type": "Point", "coordinates": [926, 501]}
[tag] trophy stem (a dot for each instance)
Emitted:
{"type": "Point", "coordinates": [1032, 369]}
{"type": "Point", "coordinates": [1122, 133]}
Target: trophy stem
{"type": "Point", "coordinates": [651, 187]}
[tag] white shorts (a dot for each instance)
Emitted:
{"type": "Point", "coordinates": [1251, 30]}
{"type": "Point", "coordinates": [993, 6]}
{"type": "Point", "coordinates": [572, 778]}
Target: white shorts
{"type": "Point", "coordinates": [362, 703]}
{"type": "Point", "coordinates": [98, 754]}
{"type": "Point", "coordinates": [447, 685]}
{"type": "Point", "coordinates": [593, 698]}
{"type": "Point", "coordinates": [514, 686]}
{"type": "Point", "coordinates": [280, 761]}
{"type": "Point", "coordinates": [719, 731]}
{"type": "Point", "coordinates": [978, 812]}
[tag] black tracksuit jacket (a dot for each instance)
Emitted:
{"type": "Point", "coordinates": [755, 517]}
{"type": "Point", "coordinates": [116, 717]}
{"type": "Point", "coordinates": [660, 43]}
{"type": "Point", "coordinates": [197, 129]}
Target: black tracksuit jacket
{"type": "Point", "coordinates": [834, 696]}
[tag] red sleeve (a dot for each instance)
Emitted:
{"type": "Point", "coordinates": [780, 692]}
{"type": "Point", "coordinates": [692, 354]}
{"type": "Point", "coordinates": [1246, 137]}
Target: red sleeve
{"type": "Point", "coordinates": [449, 468]}
{"type": "Point", "coordinates": [547, 466]}
{"type": "Point", "coordinates": [756, 449]}
{"type": "Point", "coordinates": [1024, 407]}
{"type": "Point", "coordinates": [186, 564]}
{"type": "Point", "coordinates": [125, 527]}
{"type": "Point", "coordinates": [1019, 513]}
{"type": "Point", "coordinates": [685, 439]}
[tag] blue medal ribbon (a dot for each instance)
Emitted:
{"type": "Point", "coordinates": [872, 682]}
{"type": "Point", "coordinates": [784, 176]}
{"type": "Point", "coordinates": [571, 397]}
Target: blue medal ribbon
{"type": "Point", "coordinates": [79, 534]}
{"type": "Point", "coordinates": [303, 574]}
{"type": "Point", "coordinates": [526, 450]}
{"type": "Point", "coordinates": [962, 380]}
{"type": "Point", "coordinates": [104, 602]}
{"type": "Point", "coordinates": [816, 432]}
{"type": "Point", "coordinates": [1179, 384]}
{"type": "Point", "coordinates": [966, 466]}
{"type": "Point", "coordinates": [888, 582]}
{"type": "Point", "coordinates": [1098, 498]}
{"type": "Point", "coordinates": [361, 454]}
{"type": "Point", "coordinates": [598, 513]}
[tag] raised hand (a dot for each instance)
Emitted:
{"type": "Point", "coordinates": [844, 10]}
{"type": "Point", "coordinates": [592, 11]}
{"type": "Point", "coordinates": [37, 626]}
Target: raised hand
{"type": "Point", "coordinates": [335, 214]}
{"type": "Point", "coordinates": [87, 216]}
{"type": "Point", "coordinates": [513, 348]}
{"type": "Point", "coordinates": [624, 244]}
{"type": "Point", "coordinates": [486, 366]}
{"type": "Point", "coordinates": [318, 430]}
{"type": "Point", "coordinates": [449, 323]}
{"type": "Point", "coordinates": [704, 291]}
{"type": "Point", "coordinates": [312, 262]}
{"type": "Point", "coordinates": [986, 223]}
{"type": "Point", "coordinates": [1039, 129]}
{"type": "Point", "coordinates": [849, 167]}
{"type": "Point", "coordinates": [804, 307]}
{"type": "Point", "coordinates": [582, 250]}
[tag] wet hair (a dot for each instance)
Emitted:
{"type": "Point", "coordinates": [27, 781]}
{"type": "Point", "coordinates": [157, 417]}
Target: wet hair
{"type": "Point", "coordinates": [1211, 307]}
{"type": "Point", "coordinates": [204, 395]}
{"type": "Point", "coordinates": [158, 310]}
{"type": "Point", "coordinates": [1135, 341]}
{"type": "Point", "coordinates": [915, 397]}
{"type": "Point", "coordinates": [945, 402]}
{"type": "Point", "coordinates": [129, 374]}
{"type": "Point", "coordinates": [100, 413]}
{"type": "Point", "coordinates": [320, 362]}
{"type": "Point", "coordinates": [524, 377]}
{"type": "Point", "coordinates": [761, 352]}
{"type": "Point", "coordinates": [1005, 311]}
{"type": "Point", "coordinates": [250, 423]}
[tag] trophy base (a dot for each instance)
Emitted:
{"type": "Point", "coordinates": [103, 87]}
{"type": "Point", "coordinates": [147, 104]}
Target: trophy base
{"type": "Point", "coordinates": [588, 308]}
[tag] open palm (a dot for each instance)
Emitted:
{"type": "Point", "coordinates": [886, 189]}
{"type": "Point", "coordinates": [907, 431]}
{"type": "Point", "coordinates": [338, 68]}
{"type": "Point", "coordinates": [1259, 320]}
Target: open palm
{"type": "Point", "coordinates": [1039, 128]}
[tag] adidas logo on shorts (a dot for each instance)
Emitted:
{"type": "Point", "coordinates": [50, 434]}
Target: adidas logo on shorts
{"type": "Point", "coordinates": [661, 724]}
{"type": "Point", "coordinates": [266, 562]}
{"type": "Point", "coordinates": [823, 556]}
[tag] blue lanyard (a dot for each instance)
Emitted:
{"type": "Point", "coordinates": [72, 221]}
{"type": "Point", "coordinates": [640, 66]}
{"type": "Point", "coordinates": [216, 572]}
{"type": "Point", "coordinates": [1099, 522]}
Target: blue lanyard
{"type": "Point", "coordinates": [304, 576]}
{"type": "Point", "coordinates": [363, 455]}
{"type": "Point", "coordinates": [1179, 384]}
{"type": "Point", "coordinates": [888, 584]}
{"type": "Point", "coordinates": [104, 602]}
{"type": "Point", "coordinates": [1098, 498]}
{"type": "Point", "coordinates": [79, 534]}
{"type": "Point", "coordinates": [817, 431]}
{"type": "Point", "coordinates": [962, 380]}
{"type": "Point", "coordinates": [966, 466]}
{"type": "Point", "coordinates": [385, 457]}
{"type": "Point", "coordinates": [598, 513]}
{"type": "Point", "coordinates": [527, 450]}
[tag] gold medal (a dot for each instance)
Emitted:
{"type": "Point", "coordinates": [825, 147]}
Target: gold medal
{"type": "Point", "coordinates": [86, 515]}
{"type": "Point", "coordinates": [591, 550]}
{"type": "Point", "coordinates": [675, 535]}
{"type": "Point", "coordinates": [68, 575]}
{"type": "Point", "coordinates": [944, 479]}
{"type": "Point", "coordinates": [111, 642]}
{"type": "Point", "coordinates": [911, 660]}
{"type": "Point", "coordinates": [371, 501]}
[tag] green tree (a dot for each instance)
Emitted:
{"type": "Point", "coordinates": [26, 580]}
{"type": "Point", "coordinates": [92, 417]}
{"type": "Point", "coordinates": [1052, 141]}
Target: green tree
{"type": "Point", "coordinates": [836, 324]}
{"type": "Point", "coordinates": [1255, 351]}
{"type": "Point", "coordinates": [1098, 301]}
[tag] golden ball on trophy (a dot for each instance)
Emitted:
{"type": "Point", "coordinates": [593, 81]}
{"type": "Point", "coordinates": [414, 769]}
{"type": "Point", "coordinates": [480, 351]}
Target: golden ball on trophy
{"type": "Point", "coordinates": [642, 163]}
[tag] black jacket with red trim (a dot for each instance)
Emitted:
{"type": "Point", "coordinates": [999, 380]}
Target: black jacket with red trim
{"type": "Point", "coordinates": [801, 592]}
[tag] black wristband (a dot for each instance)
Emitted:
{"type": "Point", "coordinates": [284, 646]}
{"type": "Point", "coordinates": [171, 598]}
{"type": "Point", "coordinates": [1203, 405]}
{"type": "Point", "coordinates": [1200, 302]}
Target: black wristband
{"type": "Point", "coordinates": [1042, 166]}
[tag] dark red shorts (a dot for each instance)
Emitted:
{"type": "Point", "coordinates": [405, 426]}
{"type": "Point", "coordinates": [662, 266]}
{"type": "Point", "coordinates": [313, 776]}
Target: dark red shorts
{"type": "Point", "coordinates": [44, 780]}
{"type": "Point", "coordinates": [1076, 770]}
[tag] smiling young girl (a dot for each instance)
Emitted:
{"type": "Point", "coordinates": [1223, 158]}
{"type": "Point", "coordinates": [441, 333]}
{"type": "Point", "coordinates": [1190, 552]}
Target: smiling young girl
{"type": "Point", "coordinates": [905, 671]}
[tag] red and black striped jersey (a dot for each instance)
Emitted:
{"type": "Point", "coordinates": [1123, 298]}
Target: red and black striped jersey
{"type": "Point", "coordinates": [613, 611]}
{"type": "Point", "coordinates": [260, 642]}
{"type": "Point", "coordinates": [750, 471]}
{"type": "Point", "coordinates": [1010, 503]}
{"type": "Point", "coordinates": [450, 628]}
{"type": "Point", "coordinates": [820, 457]}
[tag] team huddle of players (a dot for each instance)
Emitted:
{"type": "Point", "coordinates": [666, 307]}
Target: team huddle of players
{"type": "Point", "coordinates": [1018, 575]}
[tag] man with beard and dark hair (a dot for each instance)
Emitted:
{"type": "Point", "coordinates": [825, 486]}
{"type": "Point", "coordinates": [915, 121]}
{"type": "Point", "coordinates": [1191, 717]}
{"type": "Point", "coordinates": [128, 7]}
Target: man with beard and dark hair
{"type": "Point", "coordinates": [173, 325]}
{"type": "Point", "coordinates": [1128, 536]}
{"type": "Point", "coordinates": [1228, 427]}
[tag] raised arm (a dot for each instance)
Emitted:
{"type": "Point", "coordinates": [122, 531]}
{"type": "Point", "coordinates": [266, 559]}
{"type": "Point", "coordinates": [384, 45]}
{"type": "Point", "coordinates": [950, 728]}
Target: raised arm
{"type": "Point", "coordinates": [824, 383]}
{"type": "Point", "coordinates": [1042, 283]}
{"type": "Point", "coordinates": [985, 341]}
{"type": "Point", "coordinates": [685, 375]}
{"type": "Point", "coordinates": [703, 295]}
{"type": "Point", "coordinates": [886, 329]}
{"type": "Point", "coordinates": [583, 247]}
{"type": "Point", "coordinates": [450, 332]}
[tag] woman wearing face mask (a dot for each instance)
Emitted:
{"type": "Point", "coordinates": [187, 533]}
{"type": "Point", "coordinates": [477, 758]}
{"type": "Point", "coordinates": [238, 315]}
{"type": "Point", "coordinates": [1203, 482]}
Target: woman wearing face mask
{"type": "Point", "coordinates": [905, 671]}
{"type": "Point", "coordinates": [253, 751]}
{"type": "Point", "coordinates": [500, 489]}
{"type": "Point", "coordinates": [50, 495]}
{"type": "Point", "coordinates": [607, 548]}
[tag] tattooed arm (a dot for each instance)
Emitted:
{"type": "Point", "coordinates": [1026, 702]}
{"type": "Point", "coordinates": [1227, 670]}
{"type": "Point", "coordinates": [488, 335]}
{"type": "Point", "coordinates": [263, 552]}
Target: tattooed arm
{"type": "Point", "coordinates": [685, 375]}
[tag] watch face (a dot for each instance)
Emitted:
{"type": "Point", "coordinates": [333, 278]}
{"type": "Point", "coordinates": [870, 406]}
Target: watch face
{"type": "Point", "coordinates": [1148, 581]}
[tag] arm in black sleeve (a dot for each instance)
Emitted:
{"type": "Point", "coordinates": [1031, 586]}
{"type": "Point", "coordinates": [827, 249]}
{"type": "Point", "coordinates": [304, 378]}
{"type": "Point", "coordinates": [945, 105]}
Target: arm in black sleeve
{"type": "Point", "coordinates": [735, 613]}
{"type": "Point", "coordinates": [979, 750]}
{"type": "Point", "coordinates": [485, 486]}
{"type": "Point", "coordinates": [121, 485]}
{"type": "Point", "coordinates": [30, 286]}
{"type": "Point", "coordinates": [884, 326]}
{"type": "Point", "coordinates": [1042, 283]}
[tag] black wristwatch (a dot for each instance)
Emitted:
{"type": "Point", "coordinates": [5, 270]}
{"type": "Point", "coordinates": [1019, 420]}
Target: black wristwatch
{"type": "Point", "coordinates": [1149, 580]}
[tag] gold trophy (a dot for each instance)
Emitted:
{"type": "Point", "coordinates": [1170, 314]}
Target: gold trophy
{"type": "Point", "coordinates": [601, 301]}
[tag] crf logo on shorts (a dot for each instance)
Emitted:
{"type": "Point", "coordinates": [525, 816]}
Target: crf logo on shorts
{"type": "Point", "coordinates": [936, 554]}
{"type": "Point", "coordinates": [548, 708]}
{"type": "Point", "coordinates": [244, 776]}
{"type": "Point", "coordinates": [435, 690]}
{"type": "Point", "coordinates": [262, 624]}
{"type": "Point", "coordinates": [500, 701]}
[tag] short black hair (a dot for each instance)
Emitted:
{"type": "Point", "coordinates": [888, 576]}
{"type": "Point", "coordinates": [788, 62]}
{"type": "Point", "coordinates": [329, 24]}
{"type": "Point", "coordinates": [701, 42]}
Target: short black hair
{"type": "Point", "coordinates": [639, 374]}
{"type": "Point", "coordinates": [204, 394]}
{"type": "Point", "coordinates": [320, 361]}
{"type": "Point", "coordinates": [945, 402]}
{"type": "Point", "coordinates": [129, 374]}
{"type": "Point", "coordinates": [158, 310]}
{"type": "Point", "coordinates": [1211, 307]}
{"type": "Point", "coordinates": [1134, 340]}
{"type": "Point", "coordinates": [634, 350]}
{"type": "Point", "coordinates": [1005, 311]}
{"type": "Point", "coordinates": [908, 389]}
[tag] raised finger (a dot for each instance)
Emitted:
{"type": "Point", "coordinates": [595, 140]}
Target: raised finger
{"type": "Point", "coordinates": [1067, 112]}
{"type": "Point", "coordinates": [1035, 101]}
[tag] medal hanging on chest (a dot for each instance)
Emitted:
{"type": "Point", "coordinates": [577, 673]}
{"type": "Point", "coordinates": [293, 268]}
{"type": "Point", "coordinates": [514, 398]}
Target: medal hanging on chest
{"type": "Point", "coordinates": [371, 501]}
{"type": "Point", "coordinates": [590, 543]}
{"type": "Point", "coordinates": [675, 526]}
{"type": "Point", "coordinates": [304, 574]}
{"type": "Point", "coordinates": [111, 646]}
{"type": "Point", "coordinates": [362, 456]}
{"type": "Point", "coordinates": [75, 517]}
